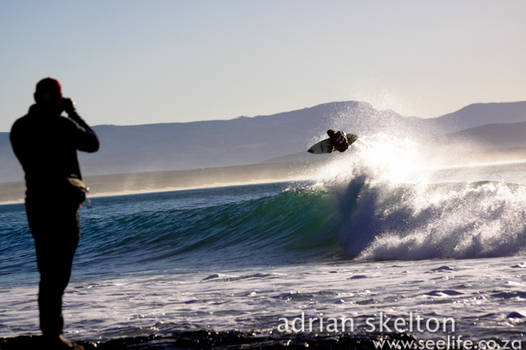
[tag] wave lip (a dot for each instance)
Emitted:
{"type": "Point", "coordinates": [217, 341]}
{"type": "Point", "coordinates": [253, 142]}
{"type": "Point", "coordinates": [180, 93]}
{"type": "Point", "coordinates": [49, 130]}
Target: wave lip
{"type": "Point", "coordinates": [440, 221]}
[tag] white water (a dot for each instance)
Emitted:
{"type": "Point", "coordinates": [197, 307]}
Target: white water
{"type": "Point", "coordinates": [409, 209]}
{"type": "Point", "coordinates": [485, 297]}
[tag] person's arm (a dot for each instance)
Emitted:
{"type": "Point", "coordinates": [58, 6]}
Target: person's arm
{"type": "Point", "coordinates": [84, 137]}
{"type": "Point", "coordinates": [14, 137]}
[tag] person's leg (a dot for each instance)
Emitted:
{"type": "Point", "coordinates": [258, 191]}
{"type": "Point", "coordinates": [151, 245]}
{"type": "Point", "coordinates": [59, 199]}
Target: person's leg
{"type": "Point", "coordinates": [54, 264]}
{"type": "Point", "coordinates": [56, 238]}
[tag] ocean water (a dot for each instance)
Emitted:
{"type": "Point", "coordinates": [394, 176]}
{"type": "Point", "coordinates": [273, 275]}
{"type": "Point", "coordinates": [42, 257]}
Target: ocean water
{"type": "Point", "coordinates": [378, 233]}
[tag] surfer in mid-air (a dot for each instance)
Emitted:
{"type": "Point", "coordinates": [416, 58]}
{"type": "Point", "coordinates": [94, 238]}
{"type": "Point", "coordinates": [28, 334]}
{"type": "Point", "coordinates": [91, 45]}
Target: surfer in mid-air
{"type": "Point", "coordinates": [338, 140]}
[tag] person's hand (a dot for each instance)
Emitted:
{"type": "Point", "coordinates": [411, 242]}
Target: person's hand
{"type": "Point", "coordinates": [68, 106]}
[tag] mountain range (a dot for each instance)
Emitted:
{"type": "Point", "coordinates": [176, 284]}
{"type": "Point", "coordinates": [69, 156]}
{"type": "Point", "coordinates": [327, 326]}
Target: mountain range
{"type": "Point", "coordinates": [251, 140]}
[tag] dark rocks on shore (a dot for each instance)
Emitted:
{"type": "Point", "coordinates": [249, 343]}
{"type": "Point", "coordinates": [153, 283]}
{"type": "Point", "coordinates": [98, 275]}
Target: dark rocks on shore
{"type": "Point", "coordinates": [202, 339]}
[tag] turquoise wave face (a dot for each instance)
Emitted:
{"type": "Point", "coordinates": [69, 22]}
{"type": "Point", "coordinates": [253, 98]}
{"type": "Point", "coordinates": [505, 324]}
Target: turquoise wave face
{"type": "Point", "coordinates": [283, 227]}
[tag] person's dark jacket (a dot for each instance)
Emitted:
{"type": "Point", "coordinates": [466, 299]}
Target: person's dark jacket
{"type": "Point", "coordinates": [46, 145]}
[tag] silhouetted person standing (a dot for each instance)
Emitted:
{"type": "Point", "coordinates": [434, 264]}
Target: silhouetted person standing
{"type": "Point", "coordinates": [46, 144]}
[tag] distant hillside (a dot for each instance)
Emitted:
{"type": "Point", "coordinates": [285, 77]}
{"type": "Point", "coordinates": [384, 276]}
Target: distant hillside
{"type": "Point", "coordinates": [480, 114]}
{"type": "Point", "coordinates": [492, 136]}
{"type": "Point", "coordinates": [251, 140]}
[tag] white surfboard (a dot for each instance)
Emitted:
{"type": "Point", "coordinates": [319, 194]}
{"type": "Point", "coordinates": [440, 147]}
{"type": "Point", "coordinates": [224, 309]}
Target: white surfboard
{"type": "Point", "coordinates": [326, 147]}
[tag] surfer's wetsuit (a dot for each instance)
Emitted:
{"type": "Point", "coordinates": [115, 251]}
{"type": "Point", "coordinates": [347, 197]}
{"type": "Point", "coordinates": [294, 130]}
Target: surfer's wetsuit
{"type": "Point", "coordinates": [338, 140]}
{"type": "Point", "coordinates": [46, 145]}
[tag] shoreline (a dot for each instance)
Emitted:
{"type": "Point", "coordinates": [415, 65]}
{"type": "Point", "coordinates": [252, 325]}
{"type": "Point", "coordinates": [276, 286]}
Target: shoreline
{"type": "Point", "coordinates": [13, 192]}
{"type": "Point", "coordinates": [178, 180]}
{"type": "Point", "coordinates": [171, 189]}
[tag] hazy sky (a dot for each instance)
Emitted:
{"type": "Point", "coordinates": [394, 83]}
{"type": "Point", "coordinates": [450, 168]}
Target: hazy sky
{"type": "Point", "coordinates": [134, 62]}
